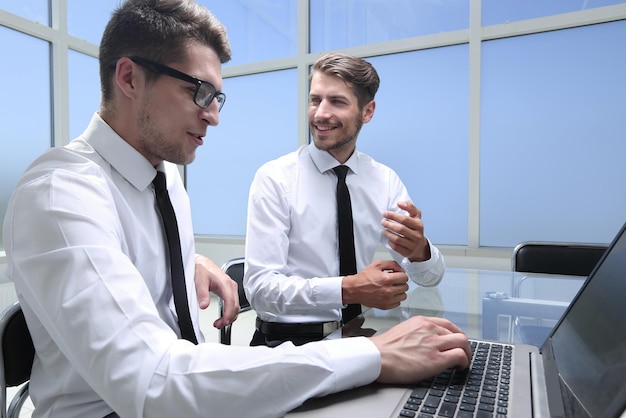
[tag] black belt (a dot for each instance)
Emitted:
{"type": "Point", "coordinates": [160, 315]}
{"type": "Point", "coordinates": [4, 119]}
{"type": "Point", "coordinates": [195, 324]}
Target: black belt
{"type": "Point", "coordinates": [317, 329]}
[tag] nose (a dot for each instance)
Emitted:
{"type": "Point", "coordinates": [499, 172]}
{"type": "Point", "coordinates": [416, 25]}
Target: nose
{"type": "Point", "coordinates": [211, 114]}
{"type": "Point", "coordinates": [322, 110]}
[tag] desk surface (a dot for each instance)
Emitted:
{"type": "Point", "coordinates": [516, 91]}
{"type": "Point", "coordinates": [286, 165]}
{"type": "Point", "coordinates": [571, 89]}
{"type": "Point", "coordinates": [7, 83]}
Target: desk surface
{"type": "Point", "coordinates": [487, 304]}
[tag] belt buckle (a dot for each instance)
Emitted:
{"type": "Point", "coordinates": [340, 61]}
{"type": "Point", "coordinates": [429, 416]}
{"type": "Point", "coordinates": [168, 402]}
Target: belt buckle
{"type": "Point", "coordinates": [330, 327]}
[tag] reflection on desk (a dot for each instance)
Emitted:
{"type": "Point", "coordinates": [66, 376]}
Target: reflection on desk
{"type": "Point", "coordinates": [502, 306]}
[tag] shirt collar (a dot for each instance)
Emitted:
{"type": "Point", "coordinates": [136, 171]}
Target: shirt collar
{"type": "Point", "coordinates": [324, 161]}
{"type": "Point", "coordinates": [125, 159]}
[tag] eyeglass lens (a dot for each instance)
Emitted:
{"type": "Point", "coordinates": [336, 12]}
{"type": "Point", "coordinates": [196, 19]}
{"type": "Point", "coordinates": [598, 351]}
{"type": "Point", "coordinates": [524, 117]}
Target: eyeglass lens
{"type": "Point", "coordinates": [205, 93]}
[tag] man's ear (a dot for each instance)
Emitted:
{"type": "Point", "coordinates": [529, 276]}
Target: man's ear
{"type": "Point", "coordinates": [126, 77]}
{"type": "Point", "coordinates": [368, 111]}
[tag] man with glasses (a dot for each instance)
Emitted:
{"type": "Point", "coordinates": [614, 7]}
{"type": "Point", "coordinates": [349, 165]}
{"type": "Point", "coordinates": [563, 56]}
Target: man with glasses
{"type": "Point", "coordinates": [95, 255]}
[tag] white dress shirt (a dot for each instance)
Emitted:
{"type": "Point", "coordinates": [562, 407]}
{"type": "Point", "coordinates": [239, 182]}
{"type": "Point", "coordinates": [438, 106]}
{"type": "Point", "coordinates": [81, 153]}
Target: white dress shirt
{"type": "Point", "coordinates": [292, 251]}
{"type": "Point", "coordinates": [87, 256]}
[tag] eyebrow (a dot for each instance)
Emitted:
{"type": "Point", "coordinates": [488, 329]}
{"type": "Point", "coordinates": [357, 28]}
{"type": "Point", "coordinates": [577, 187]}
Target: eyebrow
{"type": "Point", "coordinates": [335, 96]}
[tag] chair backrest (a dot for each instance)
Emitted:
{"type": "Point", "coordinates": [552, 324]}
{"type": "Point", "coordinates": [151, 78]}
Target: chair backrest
{"type": "Point", "coordinates": [572, 259]}
{"type": "Point", "coordinates": [16, 357]}
{"type": "Point", "coordinates": [235, 269]}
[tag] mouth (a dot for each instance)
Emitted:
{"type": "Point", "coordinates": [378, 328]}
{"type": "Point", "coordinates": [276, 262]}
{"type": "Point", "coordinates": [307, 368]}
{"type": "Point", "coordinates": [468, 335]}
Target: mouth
{"type": "Point", "coordinates": [197, 138]}
{"type": "Point", "coordinates": [323, 128]}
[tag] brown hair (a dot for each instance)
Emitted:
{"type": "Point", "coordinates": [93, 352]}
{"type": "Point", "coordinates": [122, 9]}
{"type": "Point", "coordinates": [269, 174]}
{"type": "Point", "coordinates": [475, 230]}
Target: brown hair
{"type": "Point", "coordinates": [360, 74]}
{"type": "Point", "coordinates": [158, 30]}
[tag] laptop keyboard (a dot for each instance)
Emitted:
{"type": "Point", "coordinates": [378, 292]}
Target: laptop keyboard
{"type": "Point", "coordinates": [481, 391]}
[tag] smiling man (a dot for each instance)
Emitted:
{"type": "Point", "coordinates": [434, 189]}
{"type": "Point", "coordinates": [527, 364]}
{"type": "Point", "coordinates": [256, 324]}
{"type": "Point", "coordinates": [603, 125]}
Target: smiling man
{"type": "Point", "coordinates": [293, 276]}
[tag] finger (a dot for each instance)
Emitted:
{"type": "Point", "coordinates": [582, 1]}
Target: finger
{"type": "Point", "coordinates": [396, 293]}
{"type": "Point", "coordinates": [458, 340]}
{"type": "Point", "coordinates": [459, 345]}
{"type": "Point", "coordinates": [457, 357]}
{"type": "Point", "coordinates": [411, 209]}
{"type": "Point", "coordinates": [444, 323]}
{"type": "Point", "coordinates": [401, 297]}
{"type": "Point", "coordinates": [405, 227]}
{"type": "Point", "coordinates": [204, 296]}
{"type": "Point", "coordinates": [387, 265]}
{"type": "Point", "coordinates": [455, 345]}
{"type": "Point", "coordinates": [395, 227]}
{"type": "Point", "coordinates": [392, 298]}
{"type": "Point", "coordinates": [400, 244]}
{"type": "Point", "coordinates": [391, 217]}
{"type": "Point", "coordinates": [398, 280]}
{"type": "Point", "coordinates": [222, 322]}
{"type": "Point", "coordinates": [231, 313]}
{"type": "Point", "coordinates": [394, 237]}
{"type": "Point", "coordinates": [227, 290]}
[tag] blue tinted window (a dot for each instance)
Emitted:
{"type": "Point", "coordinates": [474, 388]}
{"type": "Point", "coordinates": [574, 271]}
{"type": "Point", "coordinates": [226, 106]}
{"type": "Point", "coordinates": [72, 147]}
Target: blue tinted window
{"type": "Point", "coordinates": [84, 91]}
{"type": "Point", "coordinates": [35, 10]}
{"type": "Point", "coordinates": [259, 30]}
{"type": "Point", "coordinates": [87, 19]}
{"type": "Point", "coordinates": [502, 11]}
{"type": "Point", "coordinates": [258, 123]}
{"type": "Point", "coordinates": [552, 106]}
{"type": "Point", "coordinates": [552, 136]}
{"type": "Point", "coordinates": [26, 113]}
{"type": "Point", "coordinates": [341, 24]}
{"type": "Point", "coordinates": [420, 129]}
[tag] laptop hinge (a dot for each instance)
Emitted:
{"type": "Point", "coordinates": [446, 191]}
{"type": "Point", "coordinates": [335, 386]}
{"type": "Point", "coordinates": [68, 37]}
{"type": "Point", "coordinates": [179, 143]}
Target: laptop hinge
{"type": "Point", "coordinates": [538, 387]}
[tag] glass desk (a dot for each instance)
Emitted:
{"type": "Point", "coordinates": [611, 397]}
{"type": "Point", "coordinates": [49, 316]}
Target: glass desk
{"type": "Point", "coordinates": [487, 304]}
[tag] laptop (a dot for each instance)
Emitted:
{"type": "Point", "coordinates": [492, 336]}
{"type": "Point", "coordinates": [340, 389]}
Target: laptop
{"type": "Point", "coordinates": [580, 370]}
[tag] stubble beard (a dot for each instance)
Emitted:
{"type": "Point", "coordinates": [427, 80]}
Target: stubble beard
{"type": "Point", "coordinates": [342, 142]}
{"type": "Point", "coordinates": [154, 146]}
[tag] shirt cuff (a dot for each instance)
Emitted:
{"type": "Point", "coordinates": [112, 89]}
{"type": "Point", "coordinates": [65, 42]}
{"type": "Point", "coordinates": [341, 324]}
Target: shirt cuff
{"type": "Point", "coordinates": [327, 291]}
{"type": "Point", "coordinates": [356, 362]}
{"type": "Point", "coordinates": [426, 273]}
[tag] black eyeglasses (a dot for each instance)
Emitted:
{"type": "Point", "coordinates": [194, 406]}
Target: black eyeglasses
{"type": "Point", "coordinates": [205, 91]}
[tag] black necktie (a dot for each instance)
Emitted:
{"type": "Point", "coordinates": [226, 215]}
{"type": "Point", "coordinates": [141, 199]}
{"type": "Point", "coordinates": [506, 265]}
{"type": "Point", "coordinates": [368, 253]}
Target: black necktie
{"type": "Point", "coordinates": [176, 259]}
{"type": "Point", "coordinates": [347, 259]}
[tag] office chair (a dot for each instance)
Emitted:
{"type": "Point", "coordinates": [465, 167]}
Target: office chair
{"type": "Point", "coordinates": [16, 360]}
{"type": "Point", "coordinates": [569, 259]}
{"type": "Point", "coordinates": [234, 268]}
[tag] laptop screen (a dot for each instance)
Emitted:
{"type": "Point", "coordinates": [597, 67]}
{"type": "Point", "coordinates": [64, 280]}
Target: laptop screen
{"type": "Point", "coordinates": [589, 344]}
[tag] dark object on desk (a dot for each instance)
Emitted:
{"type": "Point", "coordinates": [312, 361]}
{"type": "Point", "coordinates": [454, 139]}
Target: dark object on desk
{"type": "Point", "coordinates": [571, 259]}
{"type": "Point", "coordinates": [234, 268]}
{"type": "Point", "coordinates": [16, 363]}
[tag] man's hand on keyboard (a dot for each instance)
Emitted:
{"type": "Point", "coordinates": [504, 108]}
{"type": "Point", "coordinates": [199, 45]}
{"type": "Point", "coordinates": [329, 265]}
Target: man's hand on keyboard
{"type": "Point", "coordinates": [419, 348]}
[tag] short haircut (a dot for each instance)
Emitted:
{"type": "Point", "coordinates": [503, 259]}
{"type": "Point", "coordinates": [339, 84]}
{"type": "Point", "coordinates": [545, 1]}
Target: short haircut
{"type": "Point", "coordinates": [358, 73]}
{"type": "Point", "coordinates": [158, 30]}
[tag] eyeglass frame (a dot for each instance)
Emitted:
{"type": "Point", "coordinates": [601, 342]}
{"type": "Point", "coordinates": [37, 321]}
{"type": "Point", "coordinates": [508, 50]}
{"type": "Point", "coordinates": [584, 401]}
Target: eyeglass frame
{"type": "Point", "coordinates": [157, 68]}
